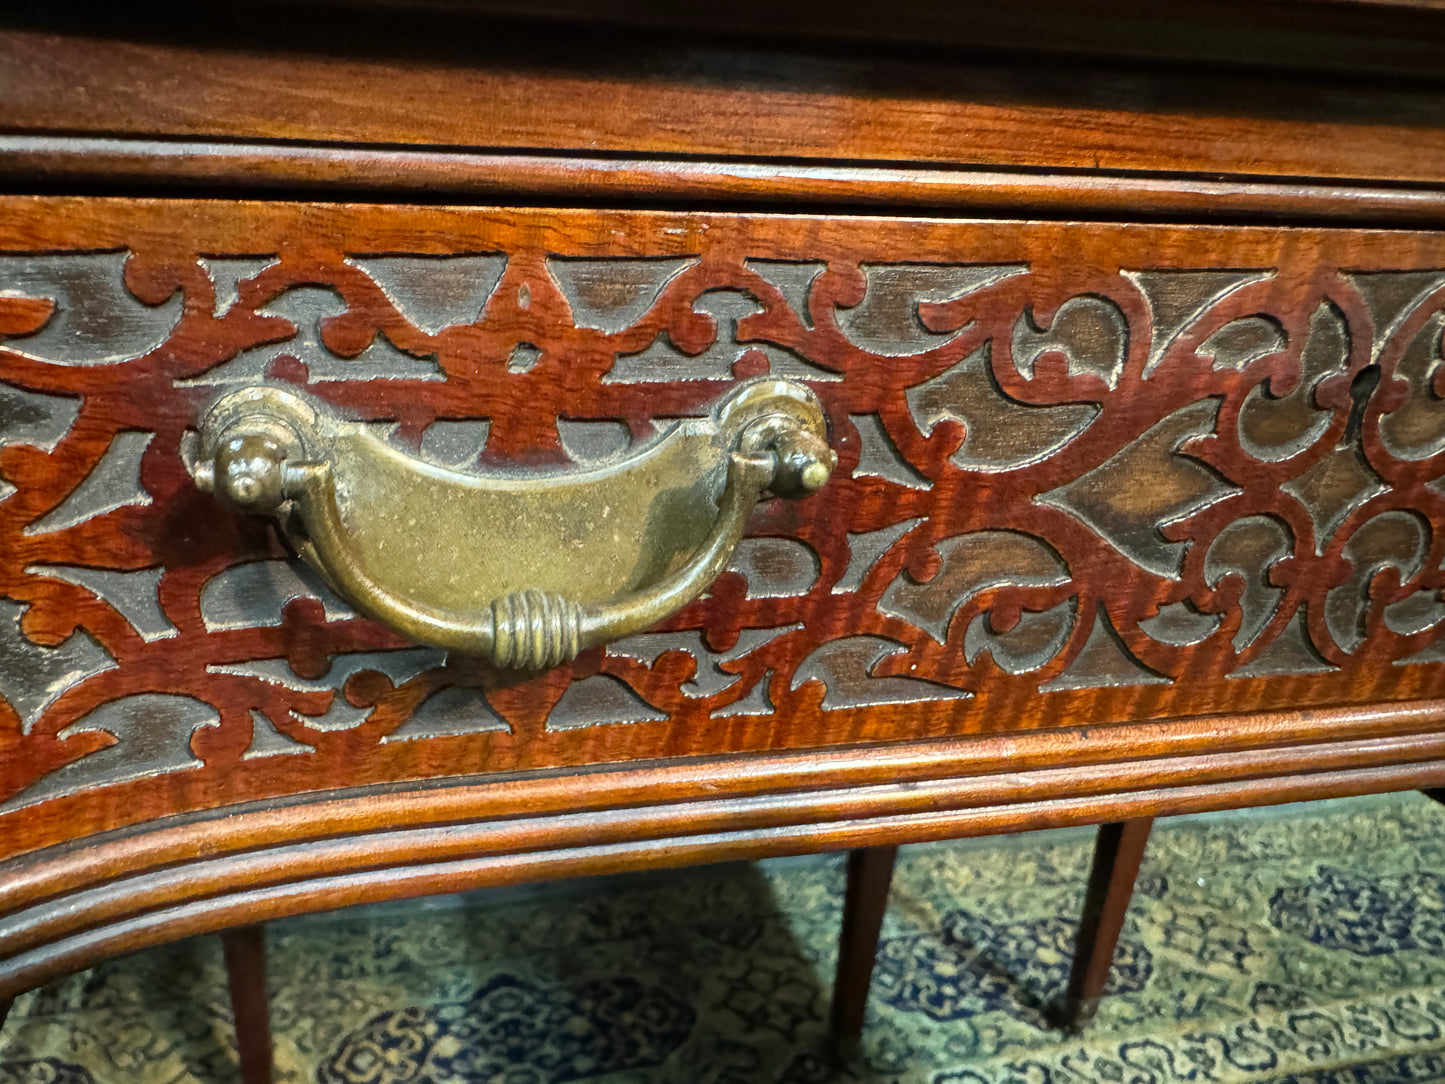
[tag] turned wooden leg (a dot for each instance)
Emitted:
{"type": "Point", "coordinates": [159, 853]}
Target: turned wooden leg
{"type": "Point", "coordinates": [870, 872]}
{"type": "Point", "coordinates": [1117, 854]}
{"type": "Point", "coordinates": [245, 950]}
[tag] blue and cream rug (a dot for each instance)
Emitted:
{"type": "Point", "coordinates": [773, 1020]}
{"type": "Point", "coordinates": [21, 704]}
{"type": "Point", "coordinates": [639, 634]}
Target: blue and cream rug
{"type": "Point", "coordinates": [1302, 945]}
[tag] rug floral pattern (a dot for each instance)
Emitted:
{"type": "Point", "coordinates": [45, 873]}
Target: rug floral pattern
{"type": "Point", "coordinates": [1304, 945]}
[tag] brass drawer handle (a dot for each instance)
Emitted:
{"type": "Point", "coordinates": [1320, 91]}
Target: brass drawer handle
{"type": "Point", "coordinates": [523, 569]}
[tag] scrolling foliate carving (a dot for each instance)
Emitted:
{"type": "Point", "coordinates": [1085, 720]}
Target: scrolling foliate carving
{"type": "Point", "coordinates": [1000, 433]}
{"type": "Point", "coordinates": [612, 294]}
{"type": "Point", "coordinates": [38, 420]}
{"type": "Point", "coordinates": [33, 676]}
{"type": "Point", "coordinates": [1276, 425]}
{"type": "Point", "coordinates": [95, 319]}
{"type": "Point", "coordinates": [113, 483]}
{"type": "Point", "coordinates": [1028, 645]}
{"type": "Point", "coordinates": [1416, 429]}
{"type": "Point", "coordinates": [1086, 473]}
{"type": "Point", "coordinates": [436, 292]}
{"type": "Point", "coordinates": [968, 565]}
{"type": "Point", "coordinates": [1130, 498]}
{"type": "Point", "coordinates": [1177, 299]}
{"type": "Point", "coordinates": [150, 736]}
{"type": "Point", "coordinates": [1089, 332]}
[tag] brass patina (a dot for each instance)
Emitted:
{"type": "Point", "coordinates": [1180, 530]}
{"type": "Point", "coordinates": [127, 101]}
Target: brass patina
{"type": "Point", "coordinates": [528, 568]}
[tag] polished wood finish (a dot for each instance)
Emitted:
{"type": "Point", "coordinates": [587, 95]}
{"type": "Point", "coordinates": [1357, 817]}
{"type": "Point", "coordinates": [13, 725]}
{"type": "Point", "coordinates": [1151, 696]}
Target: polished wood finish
{"type": "Point", "coordinates": [1117, 855]}
{"type": "Point", "coordinates": [375, 865]}
{"type": "Point", "coordinates": [440, 85]}
{"type": "Point", "coordinates": [653, 140]}
{"type": "Point", "coordinates": [245, 951]}
{"type": "Point", "coordinates": [431, 173]}
{"type": "Point", "coordinates": [1005, 782]}
{"type": "Point", "coordinates": [865, 899]}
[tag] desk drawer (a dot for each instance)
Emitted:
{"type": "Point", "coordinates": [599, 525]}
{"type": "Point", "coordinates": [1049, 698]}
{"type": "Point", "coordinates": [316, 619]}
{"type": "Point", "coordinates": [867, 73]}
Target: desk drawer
{"type": "Point", "coordinates": [1087, 474]}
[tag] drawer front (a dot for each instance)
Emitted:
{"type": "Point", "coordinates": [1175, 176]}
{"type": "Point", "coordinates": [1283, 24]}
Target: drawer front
{"type": "Point", "coordinates": [1087, 474]}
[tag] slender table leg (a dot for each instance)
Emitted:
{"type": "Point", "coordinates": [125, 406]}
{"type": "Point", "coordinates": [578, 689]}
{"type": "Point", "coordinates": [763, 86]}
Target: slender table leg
{"type": "Point", "coordinates": [870, 872]}
{"type": "Point", "coordinates": [1117, 854]}
{"type": "Point", "coordinates": [245, 950]}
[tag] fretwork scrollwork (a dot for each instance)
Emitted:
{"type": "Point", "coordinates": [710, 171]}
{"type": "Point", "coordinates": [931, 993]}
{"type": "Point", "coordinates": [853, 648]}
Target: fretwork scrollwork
{"type": "Point", "coordinates": [1057, 484]}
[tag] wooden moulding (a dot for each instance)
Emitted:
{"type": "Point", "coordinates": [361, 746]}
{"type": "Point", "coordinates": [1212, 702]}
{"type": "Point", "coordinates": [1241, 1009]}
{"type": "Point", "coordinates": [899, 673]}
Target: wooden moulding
{"type": "Point", "coordinates": [184, 876]}
{"type": "Point", "coordinates": [546, 91]}
{"type": "Point", "coordinates": [991, 763]}
{"type": "Point", "coordinates": [326, 171]}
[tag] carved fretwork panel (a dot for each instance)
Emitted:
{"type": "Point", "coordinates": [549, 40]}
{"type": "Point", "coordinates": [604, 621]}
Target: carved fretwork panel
{"type": "Point", "coordinates": [1087, 474]}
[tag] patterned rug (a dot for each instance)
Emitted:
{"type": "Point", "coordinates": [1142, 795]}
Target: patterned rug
{"type": "Point", "coordinates": [1302, 945]}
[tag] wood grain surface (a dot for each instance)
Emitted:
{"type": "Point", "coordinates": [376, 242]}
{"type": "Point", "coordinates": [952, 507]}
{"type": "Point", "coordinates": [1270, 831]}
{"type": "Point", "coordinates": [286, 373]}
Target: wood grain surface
{"type": "Point", "coordinates": [338, 173]}
{"type": "Point", "coordinates": [384, 81]}
{"type": "Point", "coordinates": [207, 893]}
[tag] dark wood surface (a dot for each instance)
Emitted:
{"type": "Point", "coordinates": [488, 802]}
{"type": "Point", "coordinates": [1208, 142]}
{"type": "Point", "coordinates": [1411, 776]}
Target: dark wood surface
{"type": "Point", "coordinates": [245, 952]}
{"type": "Point", "coordinates": [1389, 37]}
{"type": "Point", "coordinates": [870, 872]}
{"type": "Point", "coordinates": [1117, 855]}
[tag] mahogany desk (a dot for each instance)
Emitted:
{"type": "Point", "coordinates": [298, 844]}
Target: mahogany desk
{"type": "Point", "coordinates": [1099, 352]}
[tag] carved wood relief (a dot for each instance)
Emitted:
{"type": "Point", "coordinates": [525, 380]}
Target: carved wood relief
{"type": "Point", "coordinates": [1087, 473]}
